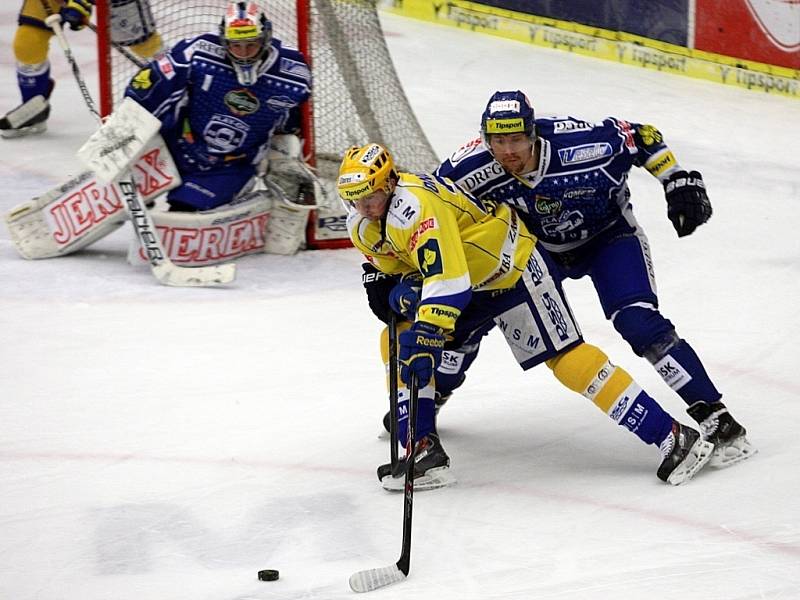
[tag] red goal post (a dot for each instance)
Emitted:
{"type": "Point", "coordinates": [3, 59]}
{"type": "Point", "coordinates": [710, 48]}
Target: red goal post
{"type": "Point", "coordinates": [356, 98]}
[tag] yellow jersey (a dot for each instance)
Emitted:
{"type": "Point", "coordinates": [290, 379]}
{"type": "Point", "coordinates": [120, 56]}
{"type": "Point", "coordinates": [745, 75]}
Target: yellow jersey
{"type": "Point", "coordinates": [458, 244]}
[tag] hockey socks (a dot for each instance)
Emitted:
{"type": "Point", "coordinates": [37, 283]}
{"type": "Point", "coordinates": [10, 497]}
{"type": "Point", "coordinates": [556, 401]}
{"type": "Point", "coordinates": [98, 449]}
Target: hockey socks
{"type": "Point", "coordinates": [586, 369]}
{"type": "Point", "coordinates": [34, 80]}
{"type": "Point", "coordinates": [425, 416]}
{"type": "Point", "coordinates": [682, 370]}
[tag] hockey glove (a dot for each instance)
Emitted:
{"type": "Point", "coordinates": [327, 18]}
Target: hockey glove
{"type": "Point", "coordinates": [420, 352]}
{"type": "Point", "coordinates": [404, 296]}
{"type": "Point", "coordinates": [378, 285]}
{"type": "Point", "coordinates": [76, 13]}
{"type": "Point", "coordinates": [687, 203]}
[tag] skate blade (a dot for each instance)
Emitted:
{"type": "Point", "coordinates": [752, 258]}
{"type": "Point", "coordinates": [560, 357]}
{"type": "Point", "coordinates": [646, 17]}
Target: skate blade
{"type": "Point", "coordinates": [698, 456]}
{"type": "Point", "coordinates": [433, 479]}
{"type": "Point", "coordinates": [730, 454]}
{"type": "Point", "coordinates": [9, 134]}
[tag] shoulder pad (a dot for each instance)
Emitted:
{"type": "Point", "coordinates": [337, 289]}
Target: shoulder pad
{"type": "Point", "coordinates": [475, 146]}
{"type": "Point", "coordinates": [207, 44]}
{"type": "Point", "coordinates": [563, 125]}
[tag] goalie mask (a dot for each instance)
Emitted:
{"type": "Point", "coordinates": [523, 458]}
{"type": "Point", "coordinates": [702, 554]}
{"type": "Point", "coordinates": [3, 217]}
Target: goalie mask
{"type": "Point", "coordinates": [365, 170]}
{"type": "Point", "coordinates": [245, 33]}
{"type": "Point", "coordinates": [508, 112]}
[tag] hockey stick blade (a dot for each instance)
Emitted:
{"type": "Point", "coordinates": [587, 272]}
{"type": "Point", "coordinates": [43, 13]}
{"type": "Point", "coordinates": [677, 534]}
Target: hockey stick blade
{"type": "Point", "coordinates": [372, 579]}
{"type": "Point", "coordinates": [169, 273]}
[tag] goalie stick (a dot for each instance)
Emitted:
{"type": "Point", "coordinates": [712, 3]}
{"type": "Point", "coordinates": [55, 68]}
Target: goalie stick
{"type": "Point", "coordinates": [372, 579]}
{"type": "Point", "coordinates": [162, 267]}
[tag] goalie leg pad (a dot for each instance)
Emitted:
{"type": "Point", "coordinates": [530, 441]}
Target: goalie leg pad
{"type": "Point", "coordinates": [205, 238]}
{"type": "Point", "coordinates": [286, 230]}
{"type": "Point", "coordinates": [85, 209]}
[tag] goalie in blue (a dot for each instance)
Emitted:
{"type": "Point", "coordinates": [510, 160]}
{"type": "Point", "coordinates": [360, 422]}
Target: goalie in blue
{"type": "Point", "coordinates": [221, 97]}
{"type": "Point", "coordinates": [567, 178]}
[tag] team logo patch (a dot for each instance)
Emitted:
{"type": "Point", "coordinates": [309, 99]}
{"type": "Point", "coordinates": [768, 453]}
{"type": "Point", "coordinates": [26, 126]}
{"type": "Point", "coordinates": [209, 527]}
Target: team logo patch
{"type": "Point", "coordinates": [242, 102]}
{"type": "Point", "coordinates": [649, 134]}
{"type": "Point", "coordinates": [546, 206]}
{"type": "Point", "coordinates": [225, 134]}
{"type": "Point", "coordinates": [430, 259]}
{"type": "Point", "coordinates": [143, 80]}
{"type": "Point", "coordinates": [584, 153]}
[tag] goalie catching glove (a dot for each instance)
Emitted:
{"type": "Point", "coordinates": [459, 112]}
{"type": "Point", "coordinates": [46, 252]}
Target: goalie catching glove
{"type": "Point", "coordinates": [298, 190]}
{"type": "Point", "coordinates": [420, 352]}
{"type": "Point", "coordinates": [688, 205]}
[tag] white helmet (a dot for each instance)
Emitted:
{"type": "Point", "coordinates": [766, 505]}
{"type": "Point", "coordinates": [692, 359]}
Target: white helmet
{"type": "Point", "coordinates": [246, 34]}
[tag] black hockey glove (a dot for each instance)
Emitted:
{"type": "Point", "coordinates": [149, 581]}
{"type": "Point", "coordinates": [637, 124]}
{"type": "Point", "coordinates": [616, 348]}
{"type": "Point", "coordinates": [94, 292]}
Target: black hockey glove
{"type": "Point", "coordinates": [687, 202]}
{"type": "Point", "coordinates": [378, 285]}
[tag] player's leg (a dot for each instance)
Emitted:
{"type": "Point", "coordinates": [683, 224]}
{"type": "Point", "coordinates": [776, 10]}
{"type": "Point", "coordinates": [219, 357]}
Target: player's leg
{"type": "Point", "coordinates": [31, 42]}
{"type": "Point", "coordinates": [431, 465]}
{"type": "Point", "coordinates": [536, 319]}
{"type": "Point", "coordinates": [622, 273]}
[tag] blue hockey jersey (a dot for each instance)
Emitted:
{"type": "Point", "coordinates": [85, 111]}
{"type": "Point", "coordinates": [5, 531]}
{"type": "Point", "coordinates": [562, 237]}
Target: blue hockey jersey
{"type": "Point", "coordinates": [579, 189]}
{"type": "Point", "coordinates": [210, 120]}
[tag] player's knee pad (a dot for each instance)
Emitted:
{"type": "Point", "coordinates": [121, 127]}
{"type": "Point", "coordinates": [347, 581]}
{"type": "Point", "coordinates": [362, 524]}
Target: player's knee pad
{"type": "Point", "coordinates": [30, 45]}
{"type": "Point", "coordinates": [644, 328]}
{"type": "Point", "coordinates": [586, 369]}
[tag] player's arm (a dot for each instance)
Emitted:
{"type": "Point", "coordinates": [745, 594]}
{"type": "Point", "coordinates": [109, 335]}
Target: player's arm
{"type": "Point", "coordinates": [688, 205]}
{"type": "Point", "coordinates": [160, 86]}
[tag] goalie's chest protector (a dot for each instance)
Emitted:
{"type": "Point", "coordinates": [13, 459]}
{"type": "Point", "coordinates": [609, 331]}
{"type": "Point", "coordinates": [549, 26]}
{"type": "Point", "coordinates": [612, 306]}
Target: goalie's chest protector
{"type": "Point", "coordinates": [231, 121]}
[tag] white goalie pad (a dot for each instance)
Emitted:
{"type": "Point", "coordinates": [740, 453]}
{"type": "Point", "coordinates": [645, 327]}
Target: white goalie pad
{"type": "Point", "coordinates": [85, 209]}
{"type": "Point", "coordinates": [113, 148]}
{"type": "Point", "coordinates": [213, 236]}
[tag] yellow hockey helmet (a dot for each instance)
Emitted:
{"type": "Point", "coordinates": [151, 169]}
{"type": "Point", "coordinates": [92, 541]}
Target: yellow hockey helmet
{"type": "Point", "coordinates": [365, 170]}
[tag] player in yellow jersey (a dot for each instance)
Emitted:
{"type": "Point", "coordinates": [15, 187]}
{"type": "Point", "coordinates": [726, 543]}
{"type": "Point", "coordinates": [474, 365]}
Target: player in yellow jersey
{"type": "Point", "coordinates": [479, 267]}
{"type": "Point", "coordinates": [133, 27]}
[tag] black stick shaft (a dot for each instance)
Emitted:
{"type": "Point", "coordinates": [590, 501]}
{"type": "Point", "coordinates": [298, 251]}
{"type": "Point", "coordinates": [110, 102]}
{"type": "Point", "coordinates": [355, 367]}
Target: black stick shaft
{"type": "Point", "coordinates": [404, 563]}
{"type": "Point", "coordinates": [393, 390]}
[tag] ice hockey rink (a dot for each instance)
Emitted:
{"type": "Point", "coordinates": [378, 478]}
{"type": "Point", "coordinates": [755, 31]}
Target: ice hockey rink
{"type": "Point", "coordinates": [166, 444]}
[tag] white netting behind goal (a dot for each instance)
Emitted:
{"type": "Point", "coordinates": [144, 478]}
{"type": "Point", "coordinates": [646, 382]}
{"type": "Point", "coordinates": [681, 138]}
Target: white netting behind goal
{"type": "Point", "coordinates": [357, 97]}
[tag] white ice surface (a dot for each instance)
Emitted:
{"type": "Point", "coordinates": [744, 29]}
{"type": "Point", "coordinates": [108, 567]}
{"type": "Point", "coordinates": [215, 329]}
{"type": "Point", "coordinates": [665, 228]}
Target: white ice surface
{"type": "Point", "coordinates": [166, 444]}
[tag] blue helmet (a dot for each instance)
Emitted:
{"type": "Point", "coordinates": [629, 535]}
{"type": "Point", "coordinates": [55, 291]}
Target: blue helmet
{"type": "Point", "coordinates": [508, 112]}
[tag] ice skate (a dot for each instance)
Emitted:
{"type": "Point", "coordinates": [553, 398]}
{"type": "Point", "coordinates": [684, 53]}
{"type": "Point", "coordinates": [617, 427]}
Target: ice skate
{"type": "Point", "coordinates": [720, 428]}
{"type": "Point", "coordinates": [29, 118]}
{"type": "Point", "coordinates": [431, 468]}
{"type": "Point", "coordinates": [685, 452]}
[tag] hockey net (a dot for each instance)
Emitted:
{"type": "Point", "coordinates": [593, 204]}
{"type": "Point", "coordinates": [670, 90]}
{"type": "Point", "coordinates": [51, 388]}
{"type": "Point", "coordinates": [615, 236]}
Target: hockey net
{"type": "Point", "coordinates": [357, 96]}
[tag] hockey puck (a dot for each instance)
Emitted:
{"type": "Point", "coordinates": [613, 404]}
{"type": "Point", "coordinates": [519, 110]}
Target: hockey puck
{"type": "Point", "coordinates": [268, 575]}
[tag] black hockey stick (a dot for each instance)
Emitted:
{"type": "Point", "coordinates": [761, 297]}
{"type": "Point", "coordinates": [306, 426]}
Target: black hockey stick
{"type": "Point", "coordinates": [122, 50]}
{"type": "Point", "coordinates": [372, 579]}
{"type": "Point", "coordinates": [393, 390]}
